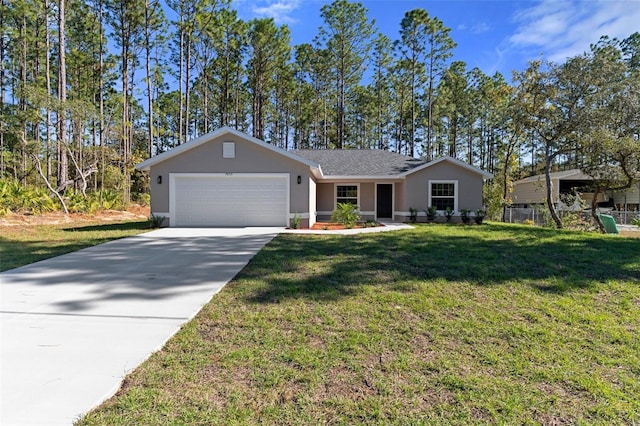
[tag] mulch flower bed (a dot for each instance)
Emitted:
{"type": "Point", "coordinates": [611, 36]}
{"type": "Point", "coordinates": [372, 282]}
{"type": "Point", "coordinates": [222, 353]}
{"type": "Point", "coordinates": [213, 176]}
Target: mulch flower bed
{"type": "Point", "coordinates": [332, 226]}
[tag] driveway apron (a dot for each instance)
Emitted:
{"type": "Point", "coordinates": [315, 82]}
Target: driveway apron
{"type": "Point", "coordinates": [73, 326]}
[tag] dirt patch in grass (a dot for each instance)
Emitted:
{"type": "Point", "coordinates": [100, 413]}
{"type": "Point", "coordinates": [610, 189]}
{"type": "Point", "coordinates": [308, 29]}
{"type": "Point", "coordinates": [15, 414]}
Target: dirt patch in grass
{"type": "Point", "coordinates": [133, 212]}
{"type": "Point", "coordinates": [630, 234]}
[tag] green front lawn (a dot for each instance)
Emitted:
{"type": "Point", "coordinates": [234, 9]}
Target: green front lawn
{"type": "Point", "coordinates": [24, 244]}
{"type": "Point", "coordinates": [439, 325]}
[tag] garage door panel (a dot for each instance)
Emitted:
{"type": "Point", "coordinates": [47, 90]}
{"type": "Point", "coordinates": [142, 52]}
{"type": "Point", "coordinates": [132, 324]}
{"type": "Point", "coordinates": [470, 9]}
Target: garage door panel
{"type": "Point", "coordinates": [208, 200]}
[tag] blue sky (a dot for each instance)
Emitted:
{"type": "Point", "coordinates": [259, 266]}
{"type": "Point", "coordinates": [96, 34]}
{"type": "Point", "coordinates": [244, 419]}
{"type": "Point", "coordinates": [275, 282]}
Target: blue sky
{"type": "Point", "coordinates": [493, 35]}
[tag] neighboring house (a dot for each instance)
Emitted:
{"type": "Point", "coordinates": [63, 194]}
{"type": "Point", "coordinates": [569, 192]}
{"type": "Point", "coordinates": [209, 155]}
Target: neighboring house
{"type": "Point", "coordinates": [227, 178]}
{"type": "Point", "coordinates": [532, 191]}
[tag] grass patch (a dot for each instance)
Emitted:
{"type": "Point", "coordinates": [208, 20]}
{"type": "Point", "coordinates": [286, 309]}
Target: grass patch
{"type": "Point", "coordinates": [24, 244]}
{"type": "Point", "coordinates": [439, 325]}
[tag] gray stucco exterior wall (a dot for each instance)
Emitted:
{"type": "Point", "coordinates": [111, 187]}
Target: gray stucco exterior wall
{"type": "Point", "coordinates": [367, 197]}
{"type": "Point", "coordinates": [249, 158]}
{"type": "Point", "coordinates": [325, 196]}
{"type": "Point", "coordinates": [416, 187]}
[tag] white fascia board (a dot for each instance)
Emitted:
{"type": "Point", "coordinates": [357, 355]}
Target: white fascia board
{"type": "Point", "coordinates": [317, 173]}
{"type": "Point", "coordinates": [146, 165]}
{"type": "Point", "coordinates": [347, 178]}
{"type": "Point", "coordinates": [452, 160]}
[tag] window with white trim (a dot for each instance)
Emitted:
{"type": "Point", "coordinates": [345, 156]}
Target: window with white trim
{"type": "Point", "coordinates": [228, 150]}
{"type": "Point", "coordinates": [443, 194]}
{"type": "Point", "coordinates": [347, 194]}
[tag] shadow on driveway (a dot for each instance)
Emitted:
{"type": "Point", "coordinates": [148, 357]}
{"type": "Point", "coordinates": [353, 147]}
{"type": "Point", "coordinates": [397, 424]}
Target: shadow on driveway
{"type": "Point", "coordinates": [74, 325]}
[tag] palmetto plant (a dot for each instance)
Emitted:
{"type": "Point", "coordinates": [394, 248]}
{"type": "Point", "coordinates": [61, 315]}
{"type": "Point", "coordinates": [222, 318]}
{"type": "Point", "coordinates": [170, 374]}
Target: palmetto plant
{"type": "Point", "coordinates": [15, 197]}
{"type": "Point", "coordinates": [346, 214]}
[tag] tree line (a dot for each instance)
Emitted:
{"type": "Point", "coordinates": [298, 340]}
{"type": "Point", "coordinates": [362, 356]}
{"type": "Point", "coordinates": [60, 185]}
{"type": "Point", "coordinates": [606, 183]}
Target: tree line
{"type": "Point", "coordinates": [90, 88]}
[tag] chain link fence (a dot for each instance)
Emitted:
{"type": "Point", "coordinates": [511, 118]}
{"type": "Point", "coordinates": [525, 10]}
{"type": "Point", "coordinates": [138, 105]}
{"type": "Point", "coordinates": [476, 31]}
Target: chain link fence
{"type": "Point", "coordinates": [526, 215]}
{"type": "Point", "coordinates": [623, 217]}
{"type": "Point", "coordinates": [540, 215]}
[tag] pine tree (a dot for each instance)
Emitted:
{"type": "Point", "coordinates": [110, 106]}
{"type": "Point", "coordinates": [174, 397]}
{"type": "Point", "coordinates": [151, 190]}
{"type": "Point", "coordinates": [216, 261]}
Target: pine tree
{"type": "Point", "coordinates": [347, 36]}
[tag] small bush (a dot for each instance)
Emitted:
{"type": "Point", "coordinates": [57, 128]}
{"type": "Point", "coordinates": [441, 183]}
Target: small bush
{"type": "Point", "coordinates": [346, 214]}
{"type": "Point", "coordinates": [579, 221]}
{"type": "Point", "coordinates": [155, 221]}
{"type": "Point", "coordinates": [75, 201]}
{"type": "Point", "coordinates": [142, 198]}
{"type": "Point", "coordinates": [109, 200]}
{"type": "Point", "coordinates": [479, 217]}
{"type": "Point", "coordinates": [464, 214]}
{"type": "Point", "coordinates": [635, 221]}
{"type": "Point", "coordinates": [448, 213]}
{"type": "Point", "coordinates": [413, 215]}
{"type": "Point", "coordinates": [295, 222]}
{"type": "Point", "coordinates": [431, 213]}
{"type": "Point", "coordinates": [94, 201]}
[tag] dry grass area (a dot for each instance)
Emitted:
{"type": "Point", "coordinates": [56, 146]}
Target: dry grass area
{"type": "Point", "coordinates": [133, 212]}
{"type": "Point", "coordinates": [26, 238]}
{"type": "Point", "coordinates": [630, 234]}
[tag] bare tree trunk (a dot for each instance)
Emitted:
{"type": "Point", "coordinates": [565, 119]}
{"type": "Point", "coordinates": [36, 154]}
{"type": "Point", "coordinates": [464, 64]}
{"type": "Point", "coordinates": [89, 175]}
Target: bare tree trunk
{"type": "Point", "coordinates": [125, 142]}
{"type": "Point", "coordinates": [180, 80]}
{"type": "Point", "coordinates": [147, 37]}
{"type": "Point", "coordinates": [23, 102]}
{"type": "Point", "coordinates": [205, 100]}
{"type": "Point", "coordinates": [547, 175]}
{"type": "Point", "coordinates": [341, 97]}
{"type": "Point", "coordinates": [237, 100]}
{"type": "Point", "coordinates": [594, 210]}
{"type": "Point", "coordinates": [81, 175]}
{"type": "Point", "coordinates": [129, 145]}
{"type": "Point", "coordinates": [187, 89]}
{"type": "Point", "coordinates": [101, 84]}
{"type": "Point", "coordinates": [470, 144]}
{"type": "Point", "coordinates": [48, 80]}
{"type": "Point", "coordinates": [325, 127]}
{"type": "Point", "coordinates": [224, 101]}
{"type": "Point", "coordinates": [400, 123]}
{"type": "Point", "coordinates": [36, 160]}
{"type": "Point", "coordinates": [63, 174]}
{"type": "Point", "coordinates": [258, 130]}
{"type": "Point", "coordinates": [505, 176]}
{"type": "Point", "coordinates": [429, 111]}
{"type": "Point", "coordinates": [412, 129]}
{"type": "Point", "coordinates": [2, 93]}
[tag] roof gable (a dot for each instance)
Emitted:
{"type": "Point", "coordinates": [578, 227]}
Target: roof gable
{"type": "Point", "coordinates": [146, 165]}
{"type": "Point", "coordinates": [453, 161]}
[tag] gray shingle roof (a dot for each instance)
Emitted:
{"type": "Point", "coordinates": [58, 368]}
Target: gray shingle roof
{"type": "Point", "coordinates": [359, 162]}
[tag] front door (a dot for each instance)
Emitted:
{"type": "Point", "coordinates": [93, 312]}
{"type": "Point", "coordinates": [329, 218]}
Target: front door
{"type": "Point", "coordinates": [384, 200]}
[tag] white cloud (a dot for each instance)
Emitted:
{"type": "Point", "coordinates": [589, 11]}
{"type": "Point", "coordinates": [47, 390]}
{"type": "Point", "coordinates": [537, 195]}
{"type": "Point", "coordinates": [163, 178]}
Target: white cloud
{"type": "Point", "coordinates": [480, 28]}
{"type": "Point", "coordinates": [279, 10]}
{"type": "Point", "coordinates": [562, 29]}
{"type": "Point", "coordinates": [476, 28]}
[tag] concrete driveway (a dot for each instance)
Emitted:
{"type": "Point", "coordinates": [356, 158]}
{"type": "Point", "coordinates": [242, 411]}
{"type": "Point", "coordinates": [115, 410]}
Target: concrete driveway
{"type": "Point", "coordinates": [73, 326]}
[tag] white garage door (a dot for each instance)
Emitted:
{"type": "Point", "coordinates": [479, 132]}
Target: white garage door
{"type": "Point", "coordinates": [236, 200]}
